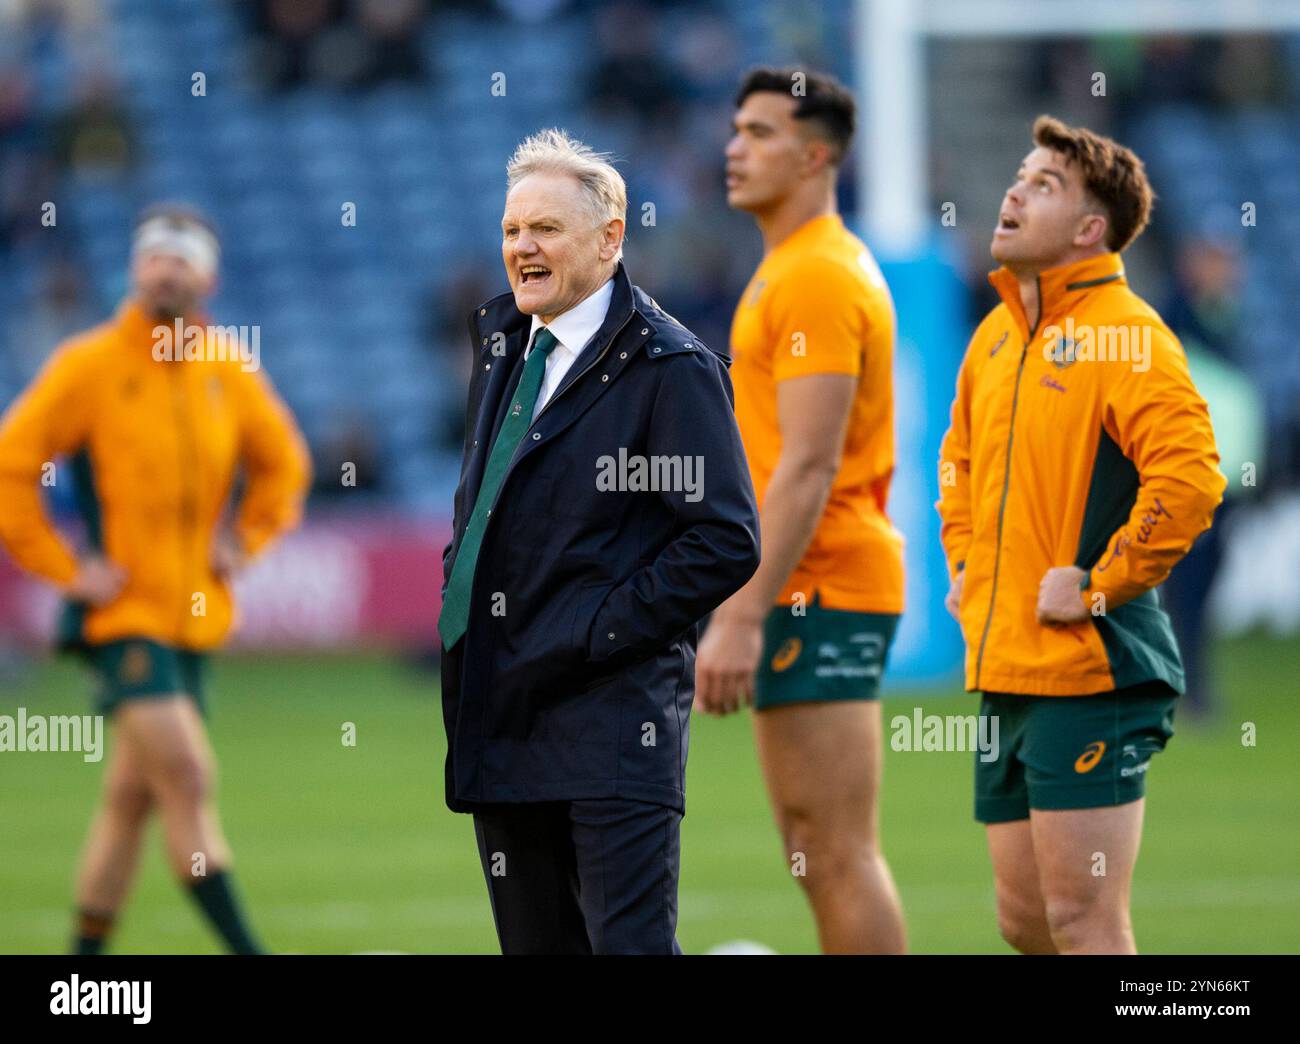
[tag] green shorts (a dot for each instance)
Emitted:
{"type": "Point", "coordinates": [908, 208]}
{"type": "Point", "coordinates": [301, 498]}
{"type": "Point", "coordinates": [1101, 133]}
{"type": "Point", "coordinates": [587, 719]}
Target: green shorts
{"type": "Point", "coordinates": [142, 669]}
{"type": "Point", "coordinates": [823, 654]}
{"type": "Point", "coordinates": [1068, 752]}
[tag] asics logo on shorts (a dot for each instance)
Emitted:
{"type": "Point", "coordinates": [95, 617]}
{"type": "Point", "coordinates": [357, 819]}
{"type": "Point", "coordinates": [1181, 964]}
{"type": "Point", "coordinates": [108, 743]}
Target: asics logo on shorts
{"type": "Point", "coordinates": [787, 654]}
{"type": "Point", "coordinates": [1087, 761]}
{"type": "Point", "coordinates": [135, 665]}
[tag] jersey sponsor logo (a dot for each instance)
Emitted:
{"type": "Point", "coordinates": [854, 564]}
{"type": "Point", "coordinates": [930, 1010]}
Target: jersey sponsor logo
{"type": "Point", "coordinates": [1131, 751]}
{"type": "Point", "coordinates": [1001, 341]}
{"type": "Point", "coordinates": [1087, 761]}
{"type": "Point", "coordinates": [870, 646]}
{"type": "Point", "coordinates": [787, 654]}
{"type": "Point", "coordinates": [848, 670]}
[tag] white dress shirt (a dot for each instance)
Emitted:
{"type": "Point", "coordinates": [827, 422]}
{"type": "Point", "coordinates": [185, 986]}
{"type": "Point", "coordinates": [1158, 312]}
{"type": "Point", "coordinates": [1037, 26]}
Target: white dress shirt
{"type": "Point", "coordinates": [572, 329]}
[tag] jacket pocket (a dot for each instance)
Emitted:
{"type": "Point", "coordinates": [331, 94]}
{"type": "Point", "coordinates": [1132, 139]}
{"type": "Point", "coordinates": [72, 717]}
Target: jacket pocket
{"type": "Point", "coordinates": [587, 605]}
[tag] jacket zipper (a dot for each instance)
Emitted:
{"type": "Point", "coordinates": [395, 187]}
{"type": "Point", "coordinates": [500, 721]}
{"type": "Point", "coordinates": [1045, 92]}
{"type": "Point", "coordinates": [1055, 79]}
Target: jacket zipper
{"type": "Point", "coordinates": [1006, 486]}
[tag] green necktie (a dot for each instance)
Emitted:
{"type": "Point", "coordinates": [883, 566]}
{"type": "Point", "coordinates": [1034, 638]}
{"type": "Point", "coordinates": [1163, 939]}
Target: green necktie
{"type": "Point", "coordinates": [454, 617]}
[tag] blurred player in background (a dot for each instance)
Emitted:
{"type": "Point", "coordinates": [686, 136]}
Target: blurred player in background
{"type": "Point", "coordinates": [1079, 467]}
{"type": "Point", "coordinates": [806, 639]}
{"type": "Point", "coordinates": [157, 413]}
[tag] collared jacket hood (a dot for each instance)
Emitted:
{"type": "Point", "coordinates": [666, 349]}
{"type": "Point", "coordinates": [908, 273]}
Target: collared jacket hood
{"type": "Point", "coordinates": [1077, 438]}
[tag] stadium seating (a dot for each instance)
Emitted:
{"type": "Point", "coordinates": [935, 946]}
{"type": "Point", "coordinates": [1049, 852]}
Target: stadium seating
{"type": "Point", "coordinates": [345, 311]}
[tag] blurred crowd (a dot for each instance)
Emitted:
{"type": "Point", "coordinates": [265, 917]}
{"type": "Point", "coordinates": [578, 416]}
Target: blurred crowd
{"type": "Point", "coordinates": [660, 79]}
{"type": "Point", "coordinates": [61, 111]}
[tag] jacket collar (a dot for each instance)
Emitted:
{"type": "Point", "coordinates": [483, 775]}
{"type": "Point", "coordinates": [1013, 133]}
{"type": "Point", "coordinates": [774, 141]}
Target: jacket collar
{"type": "Point", "coordinates": [1059, 289]}
{"type": "Point", "coordinates": [580, 323]}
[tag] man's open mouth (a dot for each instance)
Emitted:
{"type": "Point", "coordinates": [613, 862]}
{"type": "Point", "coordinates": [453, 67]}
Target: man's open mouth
{"type": "Point", "coordinates": [530, 275]}
{"type": "Point", "coordinates": [1007, 222]}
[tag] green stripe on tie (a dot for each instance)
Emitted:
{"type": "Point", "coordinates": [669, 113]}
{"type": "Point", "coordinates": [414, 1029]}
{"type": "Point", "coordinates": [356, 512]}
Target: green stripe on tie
{"type": "Point", "coordinates": [454, 617]}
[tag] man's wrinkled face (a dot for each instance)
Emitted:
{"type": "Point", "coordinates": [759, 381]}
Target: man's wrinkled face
{"type": "Point", "coordinates": [1044, 213]}
{"type": "Point", "coordinates": [556, 253]}
{"type": "Point", "coordinates": [168, 285]}
{"type": "Point", "coordinates": [766, 153]}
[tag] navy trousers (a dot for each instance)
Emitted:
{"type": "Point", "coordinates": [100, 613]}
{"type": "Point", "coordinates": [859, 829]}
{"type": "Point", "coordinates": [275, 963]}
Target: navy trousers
{"type": "Point", "coordinates": [582, 877]}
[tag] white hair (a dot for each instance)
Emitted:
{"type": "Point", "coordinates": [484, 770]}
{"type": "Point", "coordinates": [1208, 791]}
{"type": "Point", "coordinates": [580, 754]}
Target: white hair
{"type": "Point", "coordinates": [553, 151]}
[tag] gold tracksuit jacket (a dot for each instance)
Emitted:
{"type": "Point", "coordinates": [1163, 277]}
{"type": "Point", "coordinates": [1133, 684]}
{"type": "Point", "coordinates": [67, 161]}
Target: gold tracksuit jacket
{"type": "Point", "coordinates": [153, 447]}
{"type": "Point", "coordinates": [1079, 440]}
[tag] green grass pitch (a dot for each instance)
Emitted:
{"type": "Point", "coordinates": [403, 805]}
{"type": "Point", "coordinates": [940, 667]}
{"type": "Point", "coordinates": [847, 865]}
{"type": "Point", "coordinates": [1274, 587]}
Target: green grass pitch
{"type": "Point", "coordinates": [345, 849]}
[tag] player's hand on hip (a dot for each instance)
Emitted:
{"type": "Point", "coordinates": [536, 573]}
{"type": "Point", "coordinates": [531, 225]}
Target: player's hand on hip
{"type": "Point", "coordinates": [98, 581]}
{"type": "Point", "coordinates": [953, 601]}
{"type": "Point", "coordinates": [726, 664]}
{"type": "Point", "coordinates": [1060, 597]}
{"type": "Point", "coordinates": [228, 556]}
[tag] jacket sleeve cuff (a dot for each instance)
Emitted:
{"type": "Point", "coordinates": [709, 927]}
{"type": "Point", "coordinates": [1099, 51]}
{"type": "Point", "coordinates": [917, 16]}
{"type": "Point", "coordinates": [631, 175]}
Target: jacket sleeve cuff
{"type": "Point", "coordinates": [254, 539]}
{"type": "Point", "coordinates": [1092, 586]}
{"type": "Point", "coordinates": [54, 563]}
{"type": "Point", "coordinates": [63, 570]}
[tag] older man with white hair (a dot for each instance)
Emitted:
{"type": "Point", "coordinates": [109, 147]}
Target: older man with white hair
{"type": "Point", "coordinates": [604, 507]}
